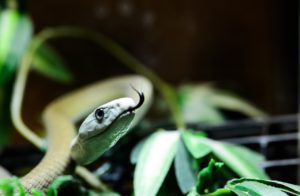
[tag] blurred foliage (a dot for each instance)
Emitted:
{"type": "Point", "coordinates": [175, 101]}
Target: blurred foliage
{"type": "Point", "coordinates": [199, 104]}
{"type": "Point", "coordinates": [202, 103]}
{"type": "Point", "coordinates": [241, 160]}
{"type": "Point", "coordinates": [246, 186]}
{"type": "Point", "coordinates": [61, 185]}
{"type": "Point", "coordinates": [15, 35]}
{"type": "Point", "coordinates": [208, 177]}
{"type": "Point", "coordinates": [154, 156]}
{"type": "Point", "coordinates": [16, 31]}
{"type": "Point", "coordinates": [10, 186]}
{"type": "Point", "coordinates": [153, 162]}
{"type": "Point", "coordinates": [185, 168]}
{"type": "Point", "coordinates": [47, 62]}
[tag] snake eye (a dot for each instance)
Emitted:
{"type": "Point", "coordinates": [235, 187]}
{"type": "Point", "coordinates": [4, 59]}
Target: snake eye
{"type": "Point", "coordinates": [99, 114]}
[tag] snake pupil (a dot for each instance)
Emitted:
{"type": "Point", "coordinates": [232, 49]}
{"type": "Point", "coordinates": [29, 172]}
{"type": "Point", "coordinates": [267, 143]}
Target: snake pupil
{"type": "Point", "coordinates": [99, 114]}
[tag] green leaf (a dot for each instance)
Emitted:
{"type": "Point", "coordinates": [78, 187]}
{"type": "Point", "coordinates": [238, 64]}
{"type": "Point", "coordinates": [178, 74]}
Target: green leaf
{"type": "Point", "coordinates": [57, 183]}
{"type": "Point", "coordinates": [221, 192]}
{"type": "Point", "coordinates": [154, 162]}
{"type": "Point", "coordinates": [185, 175]}
{"type": "Point", "coordinates": [72, 185]}
{"type": "Point", "coordinates": [193, 142]}
{"type": "Point", "coordinates": [20, 188]}
{"type": "Point", "coordinates": [196, 105]}
{"type": "Point", "coordinates": [93, 193]}
{"type": "Point", "coordinates": [8, 24]}
{"type": "Point", "coordinates": [135, 153]}
{"type": "Point", "coordinates": [15, 34]}
{"type": "Point", "coordinates": [207, 177]}
{"type": "Point", "coordinates": [193, 192]}
{"type": "Point", "coordinates": [232, 102]}
{"type": "Point", "coordinates": [47, 62]}
{"type": "Point", "coordinates": [6, 187]}
{"type": "Point", "coordinates": [201, 104]}
{"type": "Point", "coordinates": [239, 159]}
{"type": "Point", "coordinates": [36, 192]}
{"type": "Point", "coordinates": [11, 185]}
{"type": "Point", "coordinates": [243, 187]}
{"type": "Point", "coordinates": [246, 154]}
{"type": "Point", "coordinates": [20, 42]}
{"type": "Point", "coordinates": [282, 186]}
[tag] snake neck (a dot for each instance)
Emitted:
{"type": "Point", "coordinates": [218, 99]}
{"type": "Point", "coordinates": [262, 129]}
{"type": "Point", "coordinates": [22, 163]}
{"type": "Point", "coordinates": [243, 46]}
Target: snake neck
{"type": "Point", "coordinates": [58, 118]}
{"type": "Point", "coordinates": [60, 132]}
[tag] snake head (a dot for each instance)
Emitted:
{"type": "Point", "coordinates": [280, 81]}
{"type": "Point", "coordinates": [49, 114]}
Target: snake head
{"type": "Point", "coordinates": [103, 128]}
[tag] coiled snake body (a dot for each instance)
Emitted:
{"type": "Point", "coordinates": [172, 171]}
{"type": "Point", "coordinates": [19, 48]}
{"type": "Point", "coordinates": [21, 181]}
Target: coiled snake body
{"type": "Point", "coordinates": [97, 134]}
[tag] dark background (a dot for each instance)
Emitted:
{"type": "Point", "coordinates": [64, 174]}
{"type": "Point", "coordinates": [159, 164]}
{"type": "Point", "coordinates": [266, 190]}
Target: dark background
{"type": "Point", "coordinates": [247, 46]}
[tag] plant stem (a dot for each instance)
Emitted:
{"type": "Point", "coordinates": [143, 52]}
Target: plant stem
{"type": "Point", "coordinates": [123, 56]}
{"type": "Point", "coordinates": [91, 179]}
{"type": "Point", "coordinates": [221, 192]}
{"type": "Point", "coordinates": [118, 52]}
{"type": "Point", "coordinates": [17, 98]}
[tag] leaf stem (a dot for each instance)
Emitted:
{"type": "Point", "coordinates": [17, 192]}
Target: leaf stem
{"type": "Point", "coordinates": [18, 94]}
{"type": "Point", "coordinates": [123, 56]}
{"type": "Point", "coordinates": [221, 192]}
{"type": "Point", "coordinates": [118, 52]}
{"type": "Point", "coordinates": [91, 179]}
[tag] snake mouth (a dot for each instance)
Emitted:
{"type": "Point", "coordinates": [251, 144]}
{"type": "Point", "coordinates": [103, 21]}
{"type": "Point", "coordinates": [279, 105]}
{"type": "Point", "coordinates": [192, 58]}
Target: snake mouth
{"type": "Point", "coordinates": [88, 147]}
{"type": "Point", "coordinates": [123, 114]}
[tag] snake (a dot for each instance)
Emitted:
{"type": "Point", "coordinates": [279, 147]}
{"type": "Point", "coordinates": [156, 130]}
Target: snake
{"type": "Point", "coordinates": [113, 106]}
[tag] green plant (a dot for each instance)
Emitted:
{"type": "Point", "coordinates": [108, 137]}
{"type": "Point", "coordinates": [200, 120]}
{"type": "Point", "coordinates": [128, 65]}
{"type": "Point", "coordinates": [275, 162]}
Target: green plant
{"type": "Point", "coordinates": [209, 176]}
{"type": "Point", "coordinates": [16, 31]}
{"type": "Point", "coordinates": [198, 104]}
{"type": "Point", "coordinates": [187, 149]}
